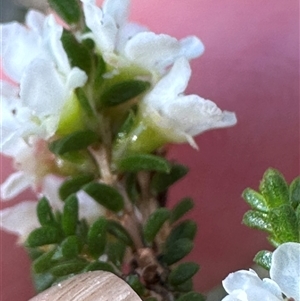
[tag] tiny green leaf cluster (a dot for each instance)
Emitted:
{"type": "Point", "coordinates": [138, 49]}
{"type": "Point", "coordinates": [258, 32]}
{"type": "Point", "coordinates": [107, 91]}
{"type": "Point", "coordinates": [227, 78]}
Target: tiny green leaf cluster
{"type": "Point", "coordinates": [275, 210]}
{"type": "Point", "coordinates": [65, 245]}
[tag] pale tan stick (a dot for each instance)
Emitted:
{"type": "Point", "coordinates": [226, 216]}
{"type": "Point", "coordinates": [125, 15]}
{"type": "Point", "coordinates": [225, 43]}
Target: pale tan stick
{"type": "Point", "coordinates": [91, 286]}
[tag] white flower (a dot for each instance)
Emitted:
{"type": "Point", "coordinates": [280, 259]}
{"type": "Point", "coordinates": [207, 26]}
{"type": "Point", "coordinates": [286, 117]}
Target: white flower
{"type": "Point", "coordinates": [284, 273]}
{"type": "Point", "coordinates": [285, 269]}
{"type": "Point", "coordinates": [21, 219]}
{"type": "Point", "coordinates": [33, 56]}
{"type": "Point", "coordinates": [120, 41]}
{"type": "Point", "coordinates": [180, 117]}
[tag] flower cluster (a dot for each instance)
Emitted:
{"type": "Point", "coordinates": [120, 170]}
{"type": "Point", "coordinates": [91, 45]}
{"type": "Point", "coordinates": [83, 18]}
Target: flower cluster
{"type": "Point", "coordinates": [40, 102]}
{"type": "Point", "coordinates": [284, 282]}
{"type": "Point", "coordinates": [86, 113]}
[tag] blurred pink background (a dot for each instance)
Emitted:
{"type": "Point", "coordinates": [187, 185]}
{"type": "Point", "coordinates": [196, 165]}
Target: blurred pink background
{"type": "Point", "coordinates": [250, 66]}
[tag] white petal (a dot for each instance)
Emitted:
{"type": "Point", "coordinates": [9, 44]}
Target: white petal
{"type": "Point", "coordinates": [20, 47]}
{"type": "Point", "coordinates": [170, 86]}
{"type": "Point", "coordinates": [89, 209]}
{"type": "Point", "coordinates": [35, 21]}
{"type": "Point", "coordinates": [50, 189]}
{"type": "Point", "coordinates": [152, 51]}
{"type": "Point", "coordinates": [240, 280]}
{"type": "Point", "coordinates": [76, 78]}
{"type": "Point", "coordinates": [14, 184]}
{"type": "Point", "coordinates": [191, 47]}
{"type": "Point", "coordinates": [117, 9]}
{"type": "Point", "coordinates": [103, 27]}
{"type": "Point", "coordinates": [247, 286]}
{"type": "Point", "coordinates": [20, 219]}
{"type": "Point", "coordinates": [42, 89]}
{"type": "Point", "coordinates": [127, 32]}
{"type": "Point", "coordinates": [285, 269]}
{"type": "Point", "coordinates": [195, 115]}
{"type": "Point", "coordinates": [53, 45]}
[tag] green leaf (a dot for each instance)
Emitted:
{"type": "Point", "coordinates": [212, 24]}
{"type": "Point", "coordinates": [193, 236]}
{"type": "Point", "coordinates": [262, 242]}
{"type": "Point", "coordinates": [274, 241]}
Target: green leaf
{"type": "Point", "coordinates": [73, 185]}
{"type": "Point", "coordinates": [138, 162]}
{"type": "Point", "coordinates": [136, 285]}
{"type": "Point", "coordinates": [126, 126]}
{"type": "Point", "coordinates": [295, 192]}
{"type": "Point", "coordinates": [68, 10]}
{"type": "Point", "coordinates": [100, 266]}
{"type": "Point", "coordinates": [191, 296]}
{"type": "Point", "coordinates": [44, 262]}
{"type": "Point", "coordinates": [70, 215]}
{"type": "Point", "coordinates": [177, 250]}
{"type": "Point", "coordinates": [183, 273]}
{"type": "Point", "coordinates": [42, 281]}
{"type": "Point", "coordinates": [70, 247]}
{"type": "Point", "coordinates": [285, 224]}
{"type": "Point", "coordinates": [255, 200]}
{"type": "Point", "coordinates": [74, 266]}
{"type": "Point", "coordinates": [100, 68]}
{"type": "Point", "coordinates": [184, 287]}
{"type": "Point", "coordinates": [151, 299]}
{"type": "Point", "coordinates": [73, 142]}
{"type": "Point", "coordinates": [115, 250]}
{"type": "Point", "coordinates": [264, 258]}
{"type": "Point", "coordinates": [84, 102]}
{"type": "Point", "coordinates": [257, 220]}
{"type": "Point", "coordinates": [162, 181]}
{"type": "Point", "coordinates": [105, 195]}
{"type": "Point", "coordinates": [274, 188]}
{"type": "Point", "coordinates": [118, 231]}
{"type": "Point", "coordinates": [122, 92]}
{"type": "Point", "coordinates": [97, 237]}
{"type": "Point", "coordinates": [44, 212]}
{"type": "Point", "coordinates": [131, 187]}
{"type": "Point", "coordinates": [45, 235]}
{"type": "Point", "coordinates": [186, 229]}
{"type": "Point", "coordinates": [79, 56]}
{"type": "Point", "coordinates": [184, 206]}
{"type": "Point", "coordinates": [154, 223]}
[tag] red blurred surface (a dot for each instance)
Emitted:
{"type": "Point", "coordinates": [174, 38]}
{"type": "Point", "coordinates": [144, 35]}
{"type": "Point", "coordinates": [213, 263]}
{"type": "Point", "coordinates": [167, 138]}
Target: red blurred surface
{"type": "Point", "coordinates": [250, 66]}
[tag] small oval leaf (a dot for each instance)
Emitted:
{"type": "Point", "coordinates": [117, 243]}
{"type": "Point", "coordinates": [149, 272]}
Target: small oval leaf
{"type": "Point", "coordinates": [274, 188]}
{"type": "Point", "coordinates": [44, 262]}
{"type": "Point", "coordinates": [73, 142]}
{"type": "Point", "coordinates": [70, 247]}
{"type": "Point", "coordinates": [186, 229]}
{"type": "Point", "coordinates": [105, 195]}
{"type": "Point", "coordinates": [100, 266]}
{"type": "Point", "coordinates": [45, 235]}
{"type": "Point", "coordinates": [191, 296]}
{"type": "Point", "coordinates": [79, 56]}
{"type": "Point", "coordinates": [257, 220]}
{"type": "Point", "coordinates": [154, 223]}
{"type": "Point", "coordinates": [264, 258]}
{"type": "Point", "coordinates": [68, 10]}
{"type": "Point", "coordinates": [122, 92]}
{"type": "Point", "coordinates": [74, 266]}
{"type": "Point", "coordinates": [285, 224]}
{"type": "Point", "coordinates": [138, 162]}
{"type": "Point", "coordinates": [97, 237]}
{"type": "Point", "coordinates": [73, 185]}
{"type": "Point", "coordinates": [162, 181]}
{"type": "Point", "coordinates": [295, 192]}
{"type": "Point", "coordinates": [184, 206]}
{"type": "Point", "coordinates": [69, 217]}
{"type": "Point", "coordinates": [117, 230]}
{"type": "Point", "coordinates": [255, 200]}
{"type": "Point", "coordinates": [177, 250]}
{"type": "Point", "coordinates": [183, 273]}
{"type": "Point", "coordinates": [44, 212]}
